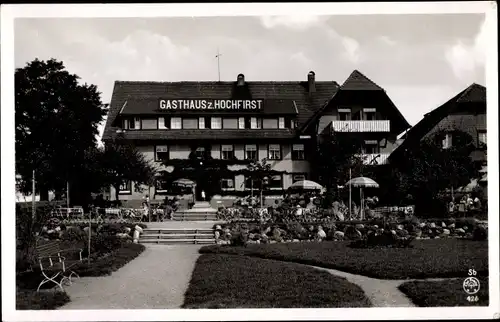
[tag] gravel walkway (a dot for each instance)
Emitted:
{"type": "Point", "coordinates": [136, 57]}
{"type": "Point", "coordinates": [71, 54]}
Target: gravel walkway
{"type": "Point", "coordinates": [382, 293]}
{"type": "Point", "coordinates": [157, 279]}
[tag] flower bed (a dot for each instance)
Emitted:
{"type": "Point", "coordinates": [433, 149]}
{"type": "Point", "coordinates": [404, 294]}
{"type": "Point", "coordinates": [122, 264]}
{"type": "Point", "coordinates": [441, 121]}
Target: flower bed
{"type": "Point", "coordinates": [243, 232]}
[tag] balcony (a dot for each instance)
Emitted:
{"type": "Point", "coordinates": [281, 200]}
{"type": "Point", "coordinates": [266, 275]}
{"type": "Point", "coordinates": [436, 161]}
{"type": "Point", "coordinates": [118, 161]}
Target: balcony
{"type": "Point", "coordinates": [362, 126]}
{"type": "Point", "coordinates": [375, 158]}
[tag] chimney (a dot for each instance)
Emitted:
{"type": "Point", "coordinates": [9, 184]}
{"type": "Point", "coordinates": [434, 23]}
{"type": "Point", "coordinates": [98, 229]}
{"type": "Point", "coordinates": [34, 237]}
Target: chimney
{"type": "Point", "coordinates": [311, 81]}
{"type": "Point", "coordinates": [241, 80]}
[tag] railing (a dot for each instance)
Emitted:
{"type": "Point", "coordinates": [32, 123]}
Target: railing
{"type": "Point", "coordinates": [375, 158]}
{"type": "Point", "coordinates": [362, 126]}
{"type": "Point", "coordinates": [67, 212]}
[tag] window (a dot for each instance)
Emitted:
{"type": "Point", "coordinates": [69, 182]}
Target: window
{"type": "Point", "coordinates": [161, 153]}
{"type": "Point", "coordinates": [133, 123]}
{"type": "Point", "coordinates": [298, 152]}
{"type": "Point", "coordinates": [270, 123]}
{"type": "Point", "coordinates": [369, 114]}
{"type": "Point", "coordinates": [481, 137]}
{"type": "Point", "coordinates": [228, 123]}
{"type": "Point", "coordinates": [241, 123]}
{"type": "Point", "coordinates": [227, 152]}
{"type": "Point", "coordinates": [189, 123]}
{"type": "Point", "coordinates": [274, 152]}
{"type": "Point", "coordinates": [162, 125]}
{"type": "Point", "coordinates": [447, 141]}
{"type": "Point", "coordinates": [176, 123]}
{"type": "Point", "coordinates": [275, 182]}
{"type": "Point", "coordinates": [199, 152]}
{"type": "Point", "coordinates": [281, 123]}
{"type": "Point", "coordinates": [251, 184]}
{"type": "Point", "coordinates": [371, 147]}
{"type": "Point", "coordinates": [149, 124]}
{"type": "Point", "coordinates": [201, 122]}
{"type": "Point", "coordinates": [216, 123]}
{"type": "Point", "coordinates": [251, 152]}
{"type": "Point", "coordinates": [161, 185]}
{"type": "Point", "coordinates": [255, 123]}
{"type": "Point", "coordinates": [227, 184]}
{"type": "Point", "coordinates": [298, 177]}
{"type": "Point", "coordinates": [344, 114]}
{"type": "Point", "coordinates": [137, 123]}
{"type": "Point", "coordinates": [125, 188]}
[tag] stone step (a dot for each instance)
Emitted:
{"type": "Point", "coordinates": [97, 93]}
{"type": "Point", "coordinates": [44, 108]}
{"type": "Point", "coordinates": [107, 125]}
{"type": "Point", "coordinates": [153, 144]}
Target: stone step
{"type": "Point", "coordinates": [194, 217]}
{"type": "Point", "coordinates": [177, 231]}
{"type": "Point", "coordinates": [177, 236]}
{"type": "Point", "coordinates": [178, 241]}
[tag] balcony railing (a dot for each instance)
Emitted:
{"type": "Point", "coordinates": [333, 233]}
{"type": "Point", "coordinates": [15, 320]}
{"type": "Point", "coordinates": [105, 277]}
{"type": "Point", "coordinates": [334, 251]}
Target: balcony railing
{"type": "Point", "coordinates": [362, 126]}
{"type": "Point", "coordinates": [375, 158]}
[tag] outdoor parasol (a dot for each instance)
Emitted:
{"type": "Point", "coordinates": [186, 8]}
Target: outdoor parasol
{"type": "Point", "coordinates": [184, 182]}
{"type": "Point", "coordinates": [305, 185]}
{"type": "Point", "coordinates": [362, 182]}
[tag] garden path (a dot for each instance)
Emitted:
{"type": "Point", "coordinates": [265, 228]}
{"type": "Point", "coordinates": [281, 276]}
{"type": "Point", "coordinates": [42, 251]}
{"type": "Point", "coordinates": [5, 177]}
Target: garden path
{"type": "Point", "coordinates": [382, 293]}
{"type": "Point", "coordinates": [157, 279]}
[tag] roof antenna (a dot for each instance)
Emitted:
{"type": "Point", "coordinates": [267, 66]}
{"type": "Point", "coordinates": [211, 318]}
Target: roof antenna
{"type": "Point", "coordinates": [218, 62]}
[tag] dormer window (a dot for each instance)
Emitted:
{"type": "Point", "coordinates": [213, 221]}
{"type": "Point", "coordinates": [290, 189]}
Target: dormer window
{"type": "Point", "coordinates": [132, 123]}
{"type": "Point", "coordinates": [447, 141]}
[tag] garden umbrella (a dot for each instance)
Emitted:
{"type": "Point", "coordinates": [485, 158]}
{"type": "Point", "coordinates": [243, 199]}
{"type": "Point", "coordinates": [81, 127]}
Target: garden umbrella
{"type": "Point", "coordinates": [362, 182]}
{"type": "Point", "coordinates": [184, 182]}
{"type": "Point", "coordinates": [305, 185]}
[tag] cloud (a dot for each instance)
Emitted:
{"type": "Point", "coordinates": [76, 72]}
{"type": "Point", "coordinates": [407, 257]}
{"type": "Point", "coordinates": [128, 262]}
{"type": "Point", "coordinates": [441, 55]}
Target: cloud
{"type": "Point", "coordinates": [293, 22]}
{"type": "Point", "coordinates": [466, 58]}
{"type": "Point", "coordinates": [352, 49]}
{"type": "Point", "coordinates": [387, 41]}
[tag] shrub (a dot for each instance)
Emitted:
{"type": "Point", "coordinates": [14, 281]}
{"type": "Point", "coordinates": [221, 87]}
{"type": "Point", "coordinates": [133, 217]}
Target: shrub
{"type": "Point", "coordinates": [480, 233]}
{"type": "Point", "coordinates": [104, 243]}
{"type": "Point", "coordinates": [32, 300]}
{"type": "Point", "coordinates": [73, 234]}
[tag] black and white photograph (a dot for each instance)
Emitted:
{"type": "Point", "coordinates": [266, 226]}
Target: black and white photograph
{"type": "Point", "coordinates": [214, 159]}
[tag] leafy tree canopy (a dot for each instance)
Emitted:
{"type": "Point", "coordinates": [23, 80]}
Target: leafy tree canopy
{"type": "Point", "coordinates": [56, 123]}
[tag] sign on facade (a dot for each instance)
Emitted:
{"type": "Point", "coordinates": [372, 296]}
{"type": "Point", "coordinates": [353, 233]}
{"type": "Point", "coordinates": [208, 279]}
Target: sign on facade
{"type": "Point", "coordinates": [209, 104]}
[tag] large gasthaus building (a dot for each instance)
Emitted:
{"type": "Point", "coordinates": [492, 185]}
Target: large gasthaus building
{"type": "Point", "coordinates": [244, 120]}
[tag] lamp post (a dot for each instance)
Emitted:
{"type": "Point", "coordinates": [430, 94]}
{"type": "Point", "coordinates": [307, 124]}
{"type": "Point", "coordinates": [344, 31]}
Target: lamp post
{"type": "Point", "coordinates": [264, 183]}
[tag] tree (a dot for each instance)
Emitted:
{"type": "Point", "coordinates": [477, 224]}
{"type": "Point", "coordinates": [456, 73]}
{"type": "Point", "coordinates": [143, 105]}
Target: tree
{"type": "Point", "coordinates": [56, 122]}
{"type": "Point", "coordinates": [121, 162]}
{"type": "Point", "coordinates": [430, 169]}
{"type": "Point", "coordinates": [336, 154]}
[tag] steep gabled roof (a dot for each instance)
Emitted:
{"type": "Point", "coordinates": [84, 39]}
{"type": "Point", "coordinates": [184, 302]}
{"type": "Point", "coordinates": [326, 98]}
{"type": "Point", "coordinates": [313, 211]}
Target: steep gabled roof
{"type": "Point", "coordinates": [473, 94]}
{"type": "Point", "coordinates": [296, 92]}
{"type": "Point", "coordinates": [359, 82]}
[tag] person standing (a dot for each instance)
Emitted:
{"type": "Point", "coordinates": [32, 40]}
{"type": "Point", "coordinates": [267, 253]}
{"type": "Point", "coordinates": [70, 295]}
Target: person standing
{"type": "Point", "coordinates": [203, 195]}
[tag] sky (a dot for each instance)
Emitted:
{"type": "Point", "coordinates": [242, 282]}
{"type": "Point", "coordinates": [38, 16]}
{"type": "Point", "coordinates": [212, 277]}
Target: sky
{"type": "Point", "coordinates": [420, 60]}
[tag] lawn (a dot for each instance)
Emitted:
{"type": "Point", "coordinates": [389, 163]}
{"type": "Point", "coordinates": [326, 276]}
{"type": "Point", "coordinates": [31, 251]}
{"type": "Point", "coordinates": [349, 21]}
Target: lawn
{"type": "Point", "coordinates": [226, 281]}
{"type": "Point", "coordinates": [444, 293]}
{"type": "Point", "coordinates": [44, 300]}
{"type": "Point", "coordinates": [428, 258]}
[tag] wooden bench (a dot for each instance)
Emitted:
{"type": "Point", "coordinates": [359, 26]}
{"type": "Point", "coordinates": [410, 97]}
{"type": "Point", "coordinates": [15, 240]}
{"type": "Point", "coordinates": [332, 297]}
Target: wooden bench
{"type": "Point", "coordinates": [53, 265]}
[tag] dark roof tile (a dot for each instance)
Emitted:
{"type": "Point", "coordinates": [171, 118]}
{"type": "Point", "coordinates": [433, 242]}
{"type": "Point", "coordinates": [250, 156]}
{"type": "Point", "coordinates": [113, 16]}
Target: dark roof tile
{"type": "Point", "coordinates": [306, 103]}
{"type": "Point", "coordinates": [359, 82]}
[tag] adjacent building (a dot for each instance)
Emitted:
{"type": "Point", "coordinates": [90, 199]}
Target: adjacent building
{"type": "Point", "coordinates": [244, 120]}
{"type": "Point", "coordinates": [465, 112]}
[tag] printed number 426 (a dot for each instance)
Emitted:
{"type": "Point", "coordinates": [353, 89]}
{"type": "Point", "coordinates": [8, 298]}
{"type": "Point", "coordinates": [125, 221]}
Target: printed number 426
{"type": "Point", "coordinates": [472, 298]}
